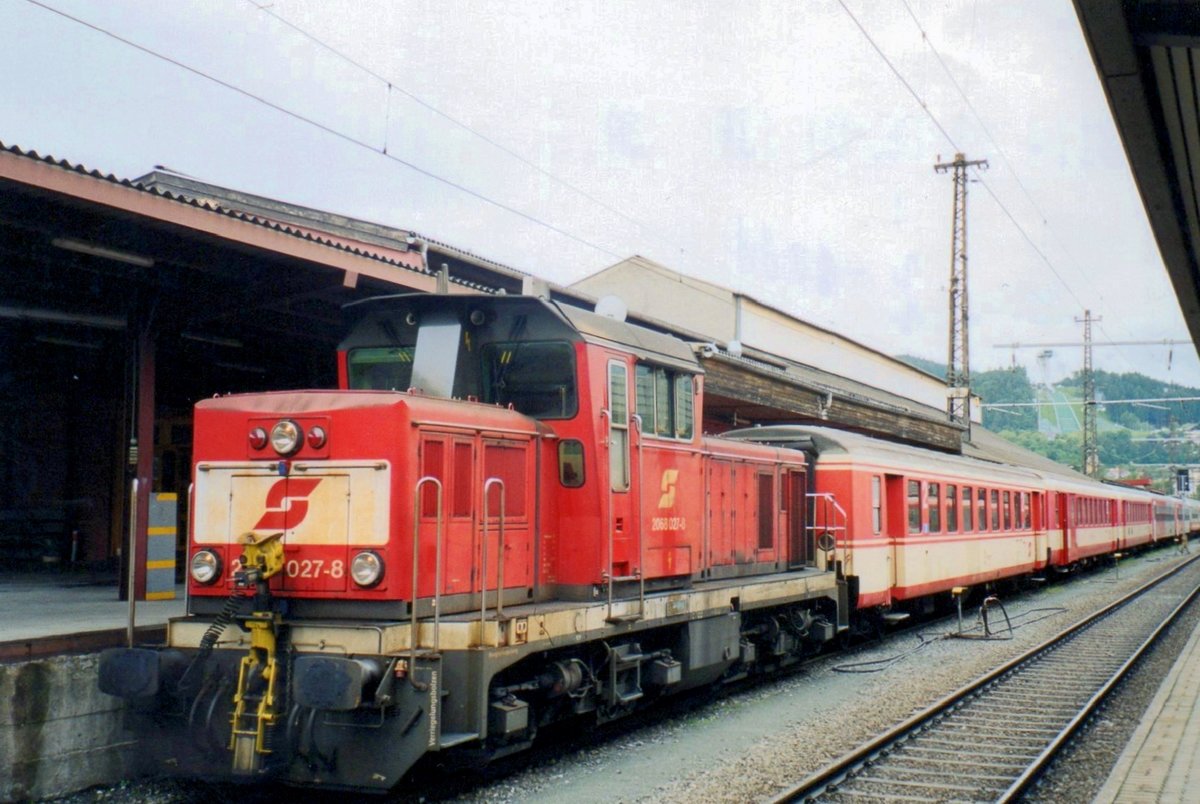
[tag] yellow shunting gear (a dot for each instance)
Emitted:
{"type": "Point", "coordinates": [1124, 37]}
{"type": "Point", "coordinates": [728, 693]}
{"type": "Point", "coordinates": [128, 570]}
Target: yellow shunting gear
{"type": "Point", "coordinates": [255, 699]}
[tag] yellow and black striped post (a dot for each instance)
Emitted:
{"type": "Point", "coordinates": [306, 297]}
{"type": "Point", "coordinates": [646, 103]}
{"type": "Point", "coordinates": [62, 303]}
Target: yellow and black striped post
{"type": "Point", "coordinates": [160, 547]}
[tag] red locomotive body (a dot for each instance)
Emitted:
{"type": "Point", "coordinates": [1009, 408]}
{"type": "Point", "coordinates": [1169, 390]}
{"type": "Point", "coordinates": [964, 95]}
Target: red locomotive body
{"type": "Point", "coordinates": [507, 516]}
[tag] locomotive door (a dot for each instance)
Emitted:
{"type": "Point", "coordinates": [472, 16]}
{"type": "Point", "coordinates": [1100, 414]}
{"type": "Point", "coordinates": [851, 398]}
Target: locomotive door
{"type": "Point", "coordinates": [452, 461]}
{"type": "Point", "coordinates": [799, 536]}
{"type": "Point", "coordinates": [1066, 524]}
{"type": "Point", "coordinates": [509, 462]}
{"type": "Point", "coordinates": [720, 514]}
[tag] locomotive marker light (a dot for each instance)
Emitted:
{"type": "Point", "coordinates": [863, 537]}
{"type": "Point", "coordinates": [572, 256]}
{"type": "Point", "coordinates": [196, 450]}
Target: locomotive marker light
{"type": "Point", "coordinates": [316, 436]}
{"type": "Point", "coordinates": [258, 438]}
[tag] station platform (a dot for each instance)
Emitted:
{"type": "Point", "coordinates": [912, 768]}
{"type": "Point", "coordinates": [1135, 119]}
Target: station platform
{"type": "Point", "coordinates": [1161, 763]}
{"type": "Point", "coordinates": [47, 613]}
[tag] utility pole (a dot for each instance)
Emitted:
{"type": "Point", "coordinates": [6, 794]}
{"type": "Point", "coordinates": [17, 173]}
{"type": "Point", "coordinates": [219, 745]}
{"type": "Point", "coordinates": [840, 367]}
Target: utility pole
{"type": "Point", "coordinates": [958, 362]}
{"type": "Point", "coordinates": [1091, 443]}
{"type": "Point", "coordinates": [1091, 446]}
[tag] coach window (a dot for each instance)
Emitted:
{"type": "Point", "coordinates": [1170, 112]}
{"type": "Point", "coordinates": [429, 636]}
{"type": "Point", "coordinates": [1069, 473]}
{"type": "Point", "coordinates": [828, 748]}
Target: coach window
{"type": "Point", "coordinates": [1017, 510]}
{"type": "Point", "coordinates": [995, 504]}
{"type": "Point", "coordinates": [665, 401]}
{"type": "Point", "coordinates": [618, 441]}
{"type": "Point", "coordinates": [1007, 511]}
{"type": "Point", "coordinates": [951, 508]}
{"type": "Point", "coordinates": [914, 506]}
{"type": "Point", "coordinates": [982, 510]}
{"type": "Point", "coordinates": [968, 498]}
{"type": "Point", "coordinates": [876, 504]}
{"type": "Point", "coordinates": [933, 495]}
{"type": "Point", "coordinates": [1027, 516]}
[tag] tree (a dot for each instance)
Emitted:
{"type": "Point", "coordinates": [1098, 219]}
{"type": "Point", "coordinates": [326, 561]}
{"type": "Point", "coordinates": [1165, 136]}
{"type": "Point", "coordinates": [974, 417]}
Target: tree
{"type": "Point", "coordinates": [1006, 385]}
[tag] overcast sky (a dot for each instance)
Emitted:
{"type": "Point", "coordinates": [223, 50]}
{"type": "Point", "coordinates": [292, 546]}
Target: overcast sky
{"type": "Point", "coordinates": [764, 146]}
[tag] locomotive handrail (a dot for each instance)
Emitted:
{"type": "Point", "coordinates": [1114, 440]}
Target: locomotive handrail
{"type": "Point", "coordinates": [640, 575]}
{"type": "Point", "coordinates": [487, 487]}
{"type": "Point", "coordinates": [437, 572]}
{"type": "Point", "coordinates": [606, 414]}
{"type": "Point", "coordinates": [829, 500]}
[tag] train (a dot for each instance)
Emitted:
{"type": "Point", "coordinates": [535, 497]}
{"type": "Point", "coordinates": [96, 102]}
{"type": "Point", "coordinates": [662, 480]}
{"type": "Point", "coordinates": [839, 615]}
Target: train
{"type": "Point", "coordinates": [508, 514]}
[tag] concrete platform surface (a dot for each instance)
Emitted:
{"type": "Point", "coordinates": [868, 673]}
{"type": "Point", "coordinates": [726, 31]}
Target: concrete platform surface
{"type": "Point", "coordinates": [49, 604]}
{"type": "Point", "coordinates": [1161, 763]}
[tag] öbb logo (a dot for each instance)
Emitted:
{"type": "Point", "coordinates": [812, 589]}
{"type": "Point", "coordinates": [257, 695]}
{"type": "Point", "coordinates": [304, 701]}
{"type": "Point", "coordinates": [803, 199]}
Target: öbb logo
{"type": "Point", "coordinates": [287, 503]}
{"type": "Point", "coordinates": [669, 478]}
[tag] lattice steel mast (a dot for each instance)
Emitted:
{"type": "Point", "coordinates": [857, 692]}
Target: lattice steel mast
{"type": "Point", "coordinates": [1091, 446]}
{"type": "Point", "coordinates": [958, 363]}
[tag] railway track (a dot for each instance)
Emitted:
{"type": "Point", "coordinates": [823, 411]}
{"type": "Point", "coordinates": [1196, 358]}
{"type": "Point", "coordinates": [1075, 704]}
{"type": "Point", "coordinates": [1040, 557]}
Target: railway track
{"type": "Point", "coordinates": [990, 740]}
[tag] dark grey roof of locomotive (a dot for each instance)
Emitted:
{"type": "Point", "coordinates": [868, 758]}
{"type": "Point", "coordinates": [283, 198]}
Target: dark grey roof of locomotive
{"type": "Point", "coordinates": [544, 321]}
{"type": "Point", "coordinates": [645, 343]}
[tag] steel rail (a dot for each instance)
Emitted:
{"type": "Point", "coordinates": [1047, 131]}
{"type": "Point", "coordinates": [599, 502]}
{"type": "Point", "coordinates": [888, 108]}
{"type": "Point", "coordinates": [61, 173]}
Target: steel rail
{"type": "Point", "coordinates": [840, 769]}
{"type": "Point", "coordinates": [1043, 760]}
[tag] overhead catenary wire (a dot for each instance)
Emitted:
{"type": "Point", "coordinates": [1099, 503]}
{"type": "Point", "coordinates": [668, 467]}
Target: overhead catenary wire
{"type": "Point", "coordinates": [393, 86]}
{"type": "Point", "coordinates": [949, 139]}
{"type": "Point", "coordinates": [1004, 158]}
{"type": "Point", "coordinates": [945, 133]}
{"type": "Point", "coordinates": [330, 130]}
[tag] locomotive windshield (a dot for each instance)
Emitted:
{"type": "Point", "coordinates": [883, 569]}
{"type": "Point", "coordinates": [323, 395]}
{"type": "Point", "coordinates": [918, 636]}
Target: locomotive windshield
{"type": "Point", "coordinates": [538, 379]}
{"type": "Point", "coordinates": [381, 368]}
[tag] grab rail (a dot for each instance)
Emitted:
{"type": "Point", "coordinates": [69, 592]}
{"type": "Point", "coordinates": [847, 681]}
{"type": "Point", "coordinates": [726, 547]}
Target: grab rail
{"type": "Point", "coordinates": [839, 531]}
{"type": "Point", "coordinates": [437, 573]}
{"type": "Point", "coordinates": [639, 575]}
{"type": "Point", "coordinates": [487, 487]}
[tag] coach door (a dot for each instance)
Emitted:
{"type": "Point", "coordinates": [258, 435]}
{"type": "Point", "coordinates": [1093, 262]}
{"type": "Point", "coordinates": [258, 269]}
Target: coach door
{"type": "Point", "coordinates": [1066, 523]}
{"type": "Point", "coordinates": [799, 535]}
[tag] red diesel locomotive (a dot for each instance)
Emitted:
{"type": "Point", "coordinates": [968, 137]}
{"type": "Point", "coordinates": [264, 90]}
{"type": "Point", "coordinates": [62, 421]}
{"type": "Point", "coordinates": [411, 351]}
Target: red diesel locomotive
{"type": "Point", "coordinates": [508, 515]}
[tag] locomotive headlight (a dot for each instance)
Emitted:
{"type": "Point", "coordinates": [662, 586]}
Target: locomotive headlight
{"type": "Point", "coordinates": [206, 567]}
{"type": "Point", "coordinates": [285, 436]}
{"type": "Point", "coordinates": [367, 568]}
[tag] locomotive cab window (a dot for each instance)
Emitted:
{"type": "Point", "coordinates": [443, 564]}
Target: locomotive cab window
{"type": "Point", "coordinates": [536, 377]}
{"type": "Point", "coordinates": [570, 463]}
{"type": "Point", "coordinates": [618, 422]}
{"type": "Point", "coordinates": [380, 368]}
{"type": "Point", "coordinates": [665, 401]}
